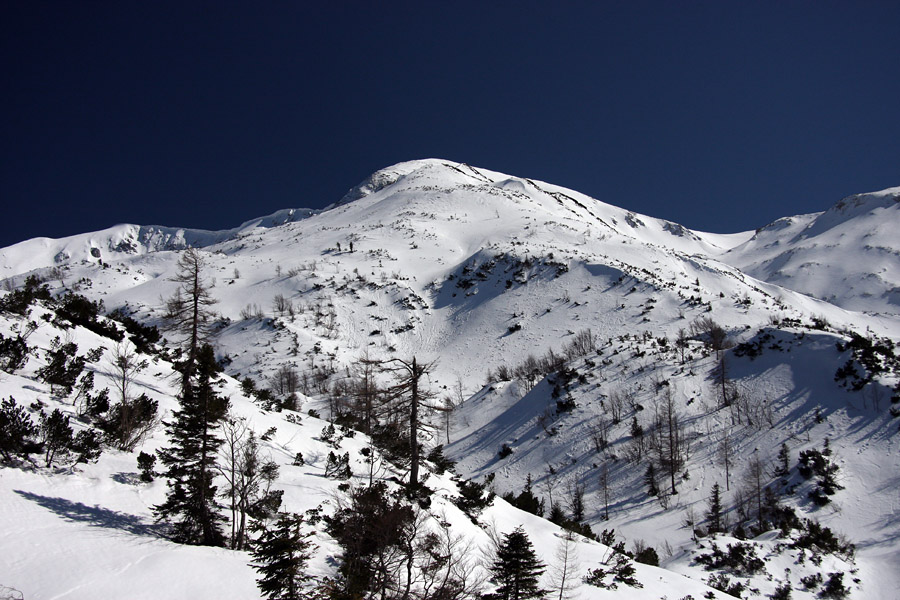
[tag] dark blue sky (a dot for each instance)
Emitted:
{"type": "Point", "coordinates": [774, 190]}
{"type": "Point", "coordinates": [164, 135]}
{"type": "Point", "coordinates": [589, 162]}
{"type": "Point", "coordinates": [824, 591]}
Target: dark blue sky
{"type": "Point", "coordinates": [721, 115]}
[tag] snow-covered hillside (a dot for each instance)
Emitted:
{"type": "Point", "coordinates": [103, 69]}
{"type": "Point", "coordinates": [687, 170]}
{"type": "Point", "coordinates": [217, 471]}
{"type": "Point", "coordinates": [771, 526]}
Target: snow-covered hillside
{"type": "Point", "coordinates": [847, 255]}
{"type": "Point", "coordinates": [494, 278]}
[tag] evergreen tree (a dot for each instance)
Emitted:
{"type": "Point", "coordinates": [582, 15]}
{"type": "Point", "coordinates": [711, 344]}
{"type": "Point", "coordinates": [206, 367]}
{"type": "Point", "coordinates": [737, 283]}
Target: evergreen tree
{"type": "Point", "coordinates": [782, 466]}
{"type": "Point", "coordinates": [370, 526]}
{"type": "Point", "coordinates": [576, 501]}
{"type": "Point", "coordinates": [191, 504]}
{"type": "Point", "coordinates": [17, 431]}
{"type": "Point", "coordinates": [516, 570]}
{"type": "Point", "coordinates": [63, 367]}
{"type": "Point", "coordinates": [338, 466]}
{"type": "Point", "coordinates": [280, 556]}
{"type": "Point", "coordinates": [527, 501]}
{"type": "Point", "coordinates": [650, 480]}
{"type": "Point", "coordinates": [56, 435]}
{"type": "Point", "coordinates": [714, 516]}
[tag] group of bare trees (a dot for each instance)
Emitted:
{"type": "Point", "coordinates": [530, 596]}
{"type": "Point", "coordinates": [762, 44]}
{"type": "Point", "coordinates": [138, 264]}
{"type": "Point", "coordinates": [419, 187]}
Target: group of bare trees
{"type": "Point", "coordinates": [249, 477]}
{"type": "Point", "coordinates": [669, 440]}
{"type": "Point", "coordinates": [390, 400]}
{"type": "Point", "coordinates": [533, 369]}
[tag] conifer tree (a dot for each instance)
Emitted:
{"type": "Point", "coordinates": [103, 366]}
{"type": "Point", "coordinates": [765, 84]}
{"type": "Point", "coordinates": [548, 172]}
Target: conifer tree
{"type": "Point", "coordinates": [783, 466]}
{"type": "Point", "coordinates": [280, 556]}
{"type": "Point", "coordinates": [714, 516]}
{"type": "Point", "coordinates": [516, 570]}
{"type": "Point", "coordinates": [190, 462]}
{"type": "Point", "coordinates": [650, 480]}
{"type": "Point", "coordinates": [527, 501]}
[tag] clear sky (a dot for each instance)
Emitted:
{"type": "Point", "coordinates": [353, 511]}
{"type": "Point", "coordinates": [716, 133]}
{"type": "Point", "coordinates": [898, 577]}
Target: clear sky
{"type": "Point", "coordinates": [719, 115]}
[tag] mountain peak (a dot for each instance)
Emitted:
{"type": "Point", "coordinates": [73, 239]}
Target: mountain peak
{"type": "Point", "coordinates": [382, 178]}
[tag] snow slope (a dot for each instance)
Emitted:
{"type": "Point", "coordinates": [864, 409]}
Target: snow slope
{"type": "Point", "coordinates": [848, 255]}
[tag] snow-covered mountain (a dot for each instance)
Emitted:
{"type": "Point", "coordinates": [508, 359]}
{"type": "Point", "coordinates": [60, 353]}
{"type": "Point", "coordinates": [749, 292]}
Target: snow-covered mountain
{"type": "Point", "coordinates": [490, 275]}
{"type": "Point", "coordinates": [846, 255]}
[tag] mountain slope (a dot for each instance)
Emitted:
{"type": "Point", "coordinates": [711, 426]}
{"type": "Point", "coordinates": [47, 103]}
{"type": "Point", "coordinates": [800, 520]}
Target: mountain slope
{"type": "Point", "coordinates": [847, 255]}
{"type": "Point", "coordinates": [546, 311]}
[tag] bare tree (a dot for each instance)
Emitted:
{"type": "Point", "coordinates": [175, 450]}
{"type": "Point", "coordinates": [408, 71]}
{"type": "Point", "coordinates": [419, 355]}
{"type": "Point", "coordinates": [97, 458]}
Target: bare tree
{"type": "Point", "coordinates": [582, 344]}
{"type": "Point", "coordinates": [365, 392]}
{"type": "Point", "coordinates": [725, 453]}
{"type": "Point", "coordinates": [755, 484]}
{"type": "Point", "coordinates": [446, 565]}
{"type": "Point", "coordinates": [723, 383]}
{"type": "Point", "coordinates": [126, 366]}
{"type": "Point", "coordinates": [286, 383]}
{"type": "Point", "coordinates": [671, 443]}
{"type": "Point", "coordinates": [132, 419]}
{"type": "Point", "coordinates": [248, 475]}
{"type": "Point", "coordinates": [604, 490]}
{"type": "Point", "coordinates": [550, 484]}
{"type": "Point", "coordinates": [282, 305]}
{"type": "Point", "coordinates": [187, 311]}
{"type": "Point", "coordinates": [564, 579]}
{"type": "Point", "coordinates": [615, 404]}
{"type": "Point", "coordinates": [716, 336]}
{"type": "Point", "coordinates": [409, 394]}
{"type": "Point", "coordinates": [681, 343]}
{"type": "Point", "coordinates": [598, 430]}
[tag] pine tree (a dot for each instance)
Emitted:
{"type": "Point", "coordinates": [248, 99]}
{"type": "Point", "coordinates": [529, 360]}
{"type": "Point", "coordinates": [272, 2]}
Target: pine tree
{"type": "Point", "coordinates": [527, 501]}
{"type": "Point", "coordinates": [17, 431]}
{"type": "Point", "coordinates": [783, 467]}
{"type": "Point", "coordinates": [650, 480]}
{"type": "Point", "coordinates": [280, 556]}
{"type": "Point", "coordinates": [516, 570]}
{"type": "Point", "coordinates": [714, 516]}
{"type": "Point", "coordinates": [56, 435]}
{"type": "Point", "coordinates": [191, 504]}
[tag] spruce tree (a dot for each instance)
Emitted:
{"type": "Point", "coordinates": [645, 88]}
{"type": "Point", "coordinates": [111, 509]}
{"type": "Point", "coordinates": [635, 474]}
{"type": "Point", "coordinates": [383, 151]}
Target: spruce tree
{"type": "Point", "coordinates": [280, 556]}
{"type": "Point", "coordinates": [516, 570]}
{"type": "Point", "coordinates": [782, 466]}
{"type": "Point", "coordinates": [714, 516]}
{"type": "Point", "coordinates": [650, 480]}
{"type": "Point", "coordinates": [191, 505]}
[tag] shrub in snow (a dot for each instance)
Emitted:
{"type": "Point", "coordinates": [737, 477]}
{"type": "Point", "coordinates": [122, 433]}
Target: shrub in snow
{"type": "Point", "coordinates": [834, 587]}
{"type": "Point", "coordinates": [145, 463]}
{"type": "Point", "coordinates": [739, 559]}
{"type": "Point", "coordinates": [474, 497]}
{"type": "Point", "coordinates": [620, 569]}
{"type": "Point", "coordinates": [723, 583]}
{"type": "Point", "coordinates": [338, 467]}
{"type": "Point", "coordinates": [17, 431]}
{"type": "Point", "coordinates": [13, 353]}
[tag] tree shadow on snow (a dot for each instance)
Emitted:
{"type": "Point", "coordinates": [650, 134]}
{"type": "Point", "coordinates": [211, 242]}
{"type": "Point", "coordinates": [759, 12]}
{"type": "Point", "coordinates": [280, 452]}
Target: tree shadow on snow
{"type": "Point", "coordinates": [93, 515]}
